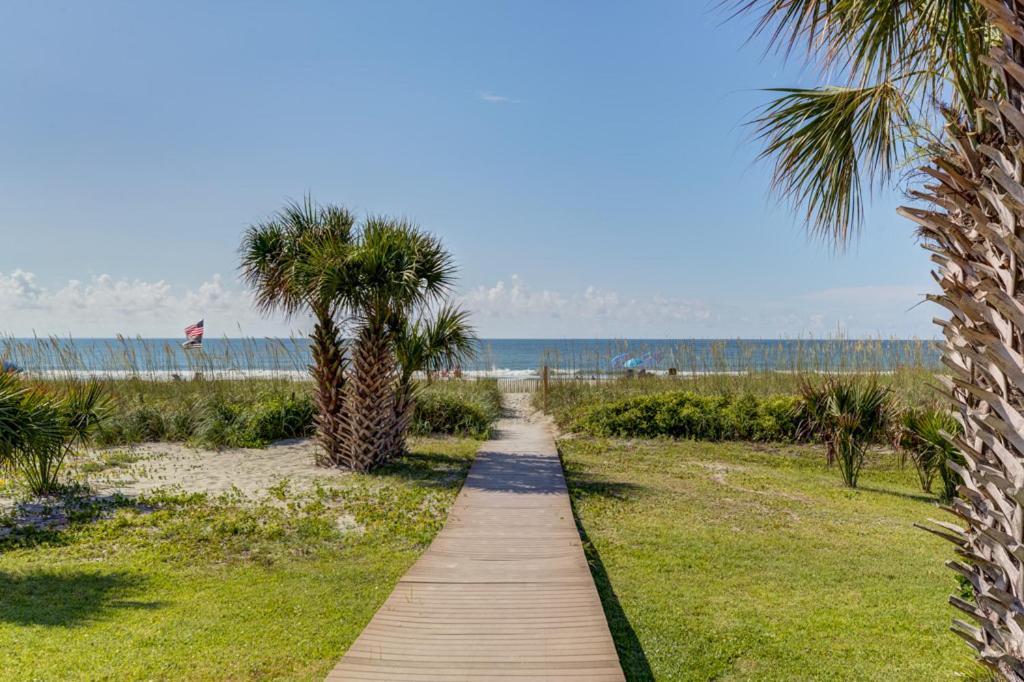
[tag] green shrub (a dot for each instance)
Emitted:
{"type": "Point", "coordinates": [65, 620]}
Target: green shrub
{"type": "Point", "coordinates": [848, 414]}
{"type": "Point", "coordinates": [925, 433]}
{"type": "Point", "coordinates": [133, 423]}
{"type": "Point", "coordinates": [683, 414]}
{"type": "Point", "coordinates": [254, 424]}
{"type": "Point", "coordinates": [254, 413]}
{"type": "Point", "coordinates": [39, 430]}
{"type": "Point", "coordinates": [465, 408]}
{"type": "Point", "coordinates": [278, 417]}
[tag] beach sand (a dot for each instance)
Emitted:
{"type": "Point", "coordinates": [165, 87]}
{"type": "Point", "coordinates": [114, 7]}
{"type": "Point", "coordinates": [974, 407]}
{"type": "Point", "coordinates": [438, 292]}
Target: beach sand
{"type": "Point", "coordinates": [252, 471]}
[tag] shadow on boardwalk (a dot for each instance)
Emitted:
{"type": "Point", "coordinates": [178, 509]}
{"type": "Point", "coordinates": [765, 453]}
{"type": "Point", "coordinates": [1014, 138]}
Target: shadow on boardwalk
{"type": "Point", "coordinates": [516, 473]}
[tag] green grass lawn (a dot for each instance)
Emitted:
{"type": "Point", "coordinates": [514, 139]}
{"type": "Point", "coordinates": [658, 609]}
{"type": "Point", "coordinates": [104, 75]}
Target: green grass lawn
{"type": "Point", "coordinates": [741, 562]}
{"type": "Point", "coordinates": [190, 587]}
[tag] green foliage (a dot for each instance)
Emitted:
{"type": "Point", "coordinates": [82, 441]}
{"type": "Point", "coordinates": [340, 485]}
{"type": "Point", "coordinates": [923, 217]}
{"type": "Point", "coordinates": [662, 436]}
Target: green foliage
{"type": "Point", "coordinates": [255, 413]}
{"type": "Point", "coordinates": [181, 586]}
{"type": "Point", "coordinates": [925, 434]}
{"type": "Point", "coordinates": [209, 413]}
{"type": "Point", "coordinates": [899, 64]}
{"type": "Point", "coordinates": [730, 561]}
{"type": "Point", "coordinates": [567, 400]}
{"type": "Point", "coordinates": [848, 414]}
{"type": "Point", "coordinates": [467, 408]}
{"type": "Point", "coordinates": [685, 414]}
{"type": "Point", "coordinates": [38, 430]}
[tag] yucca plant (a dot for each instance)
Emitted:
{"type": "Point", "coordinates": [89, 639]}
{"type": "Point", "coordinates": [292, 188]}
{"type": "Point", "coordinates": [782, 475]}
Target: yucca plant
{"type": "Point", "coordinates": [850, 415]}
{"type": "Point", "coordinates": [926, 435]}
{"type": "Point", "coordinates": [282, 260]}
{"type": "Point", "coordinates": [27, 420]}
{"type": "Point", "coordinates": [74, 417]}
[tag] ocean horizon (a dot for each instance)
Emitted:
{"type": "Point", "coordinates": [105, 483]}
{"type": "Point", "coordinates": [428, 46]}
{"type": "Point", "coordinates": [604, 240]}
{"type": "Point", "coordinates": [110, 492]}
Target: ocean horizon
{"type": "Point", "coordinates": [165, 357]}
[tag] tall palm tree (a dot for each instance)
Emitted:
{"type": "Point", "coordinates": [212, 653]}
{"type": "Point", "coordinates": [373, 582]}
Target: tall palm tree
{"type": "Point", "coordinates": [399, 268]}
{"type": "Point", "coordinates": [281, 259]}
{"type": "Point", "coordinates": [889, 62]}
{"type": "Point", "coordinates": [427, 344]}
{"type": "Point", "coordinates": [898, 55]}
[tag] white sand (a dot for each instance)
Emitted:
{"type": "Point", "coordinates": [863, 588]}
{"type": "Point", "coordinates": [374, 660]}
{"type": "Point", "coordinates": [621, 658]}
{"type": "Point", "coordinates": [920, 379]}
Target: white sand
{"type": "Point", "coordinates": [252, 471]}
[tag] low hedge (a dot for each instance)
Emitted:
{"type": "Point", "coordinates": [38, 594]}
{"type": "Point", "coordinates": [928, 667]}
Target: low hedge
{"type": "Point", "coordinates": [463, 408]}
{"type": "Point", "coordinates": [231, 418]}
{"type": "Point", "coordinates": [214, 421]}
{"type": "Point", "coordinates": [683, 414]}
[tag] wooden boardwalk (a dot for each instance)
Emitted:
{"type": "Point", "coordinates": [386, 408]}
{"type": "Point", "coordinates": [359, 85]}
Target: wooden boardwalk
{"type": "Point", "coordinates": [504, 591]}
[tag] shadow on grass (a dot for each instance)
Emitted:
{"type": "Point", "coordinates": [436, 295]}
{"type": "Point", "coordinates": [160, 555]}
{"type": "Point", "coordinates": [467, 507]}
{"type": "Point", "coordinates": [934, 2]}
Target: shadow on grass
{"type": "Point", "coordinates": [582, 484]}
{"type": "Point", "coordinates": [430, 469]}
{"type": "Point", "coordinates": [65, 599]}
{"type": "Point", "coordinates": [631, 652]}
{"type": "Point", "coordinates": [916, 497]}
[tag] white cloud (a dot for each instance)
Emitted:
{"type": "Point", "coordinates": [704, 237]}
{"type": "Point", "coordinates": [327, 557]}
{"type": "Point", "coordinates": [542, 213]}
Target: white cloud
{"type": "Point", "coordinates": [492, 98]}
{"type": "Point", "coordinates": [511, 308]}
{"type": "Point", "coordinates": [105, 306]}
{"type": "Point", "coordinates": [514, 309]}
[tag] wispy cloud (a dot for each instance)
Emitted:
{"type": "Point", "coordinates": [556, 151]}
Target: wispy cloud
{"type": "Point", "coordinates": [492, 98]}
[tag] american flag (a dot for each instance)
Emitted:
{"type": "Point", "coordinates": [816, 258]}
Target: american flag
{"type": "Point", "coordinates": [194, 333]}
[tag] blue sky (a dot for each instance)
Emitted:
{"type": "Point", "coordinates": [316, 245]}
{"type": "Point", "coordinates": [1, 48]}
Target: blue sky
{"type": "Point", "coordinates": [587, 163]}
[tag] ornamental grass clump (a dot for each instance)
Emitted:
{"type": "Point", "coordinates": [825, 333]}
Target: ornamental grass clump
{"type": "Point", "coordinates": [848, 415]}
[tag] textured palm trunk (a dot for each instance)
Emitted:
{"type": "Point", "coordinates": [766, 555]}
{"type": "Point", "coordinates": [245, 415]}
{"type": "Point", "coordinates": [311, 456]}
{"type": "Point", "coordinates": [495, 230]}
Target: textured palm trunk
{"type": "Point", "coordinates": [371, 398]}
{"type": "Point", "coordinates": [405, 406]}
{"type": "Point", "coordinates": [328, 370]}
{"type": "Point", "coordinates": [973, 227]}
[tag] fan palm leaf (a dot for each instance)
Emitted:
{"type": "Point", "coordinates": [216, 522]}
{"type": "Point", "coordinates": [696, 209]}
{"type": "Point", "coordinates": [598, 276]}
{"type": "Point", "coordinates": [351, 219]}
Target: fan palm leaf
{"type": "Point", "coordinates": [283, 260]}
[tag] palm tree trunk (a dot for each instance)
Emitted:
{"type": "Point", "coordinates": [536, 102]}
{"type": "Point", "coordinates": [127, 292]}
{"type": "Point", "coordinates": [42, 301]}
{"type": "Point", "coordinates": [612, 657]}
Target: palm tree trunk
{"type": "Point", "coordinates": [974, 226]}
{"type": "Point", "coordinates": [405, 405]}
{"type": "Point", "coordinates": [371, 398]}
{"type": "Point", "coordinates": [328, 370]}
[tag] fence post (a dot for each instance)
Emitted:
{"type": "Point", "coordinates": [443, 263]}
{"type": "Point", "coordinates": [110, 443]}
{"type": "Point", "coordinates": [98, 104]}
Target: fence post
{"type": "Point", "coordinates": [544, 381]}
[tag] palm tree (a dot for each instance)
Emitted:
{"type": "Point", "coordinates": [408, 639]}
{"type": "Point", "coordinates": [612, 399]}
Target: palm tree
{"type": "Point", "coordinates": [427, 344]}
{"type": "Point", "coordinates": [281, 259]}
{"type": "Point", "coordinates": [898, 57]}
{"type": "Point", "coordinates": [893, 59]}
{"type": "Point", "coordinates": [399, 268]}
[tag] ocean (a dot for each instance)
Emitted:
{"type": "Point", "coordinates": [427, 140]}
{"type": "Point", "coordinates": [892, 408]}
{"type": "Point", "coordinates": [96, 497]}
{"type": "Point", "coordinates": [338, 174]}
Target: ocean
{"type": "Point", "coordinates": [495, 357]}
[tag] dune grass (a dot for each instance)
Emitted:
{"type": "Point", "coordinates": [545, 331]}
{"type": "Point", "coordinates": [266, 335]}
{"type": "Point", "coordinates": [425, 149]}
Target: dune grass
{"type": "Point", "coordinates": [178, 586]}
{"type": "Point", "coordinates": [753, 562]}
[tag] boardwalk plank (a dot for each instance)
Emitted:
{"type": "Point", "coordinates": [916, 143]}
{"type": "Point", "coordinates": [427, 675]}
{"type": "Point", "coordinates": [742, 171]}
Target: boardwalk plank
{"type": "Point", "coordinates": [504, 592]}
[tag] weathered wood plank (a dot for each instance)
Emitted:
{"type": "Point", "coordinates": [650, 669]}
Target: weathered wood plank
{"type": "Point", "coordinates": [504, 592]}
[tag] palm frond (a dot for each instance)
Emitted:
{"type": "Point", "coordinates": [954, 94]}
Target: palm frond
{"type": "Point", "coordinates": [827, 143]}
{"type": "Point", "coordinates": [832, 146]}
{"type": "Point", "coordinates": [282, 259]}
